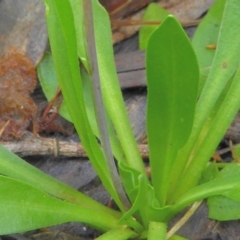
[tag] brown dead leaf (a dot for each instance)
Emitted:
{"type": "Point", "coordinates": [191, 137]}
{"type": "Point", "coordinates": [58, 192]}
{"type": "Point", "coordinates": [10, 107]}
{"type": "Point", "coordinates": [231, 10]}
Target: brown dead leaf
{"type": "Point", "coordinates": [125, 32]}
{"type": "Point", "coordinates": [18, 80]}
{"type": "Point", "coordinates": [187, 11]}
{"type": "Point", "coordinates": [23, 26]}
{"type": "Point", "coordinates": [216, 156]}
{"type": "Point", "coordinates": [122, 8]}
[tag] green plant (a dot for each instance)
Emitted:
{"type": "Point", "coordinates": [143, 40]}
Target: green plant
{"type": "Point", "coordinates": [185, 122]}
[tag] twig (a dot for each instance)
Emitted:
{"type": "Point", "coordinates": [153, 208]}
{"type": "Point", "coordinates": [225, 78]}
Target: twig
{"type": "Point", "coordinates": [184, 219]}
{"type": "Point", "coordinates": [131, 22]}
{"type": "Point", "coordinates": [33, 146]}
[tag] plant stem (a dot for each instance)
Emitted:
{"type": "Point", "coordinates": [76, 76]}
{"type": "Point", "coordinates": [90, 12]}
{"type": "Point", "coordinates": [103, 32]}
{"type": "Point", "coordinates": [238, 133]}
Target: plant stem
{"type": "Point", "coordinates": [157, 230]}
{"type": "Point", "coordinates": [98, 103]}
{"type": "Point", "coordinates": [176, 237]}
{"type": "Point", "coordinates": [121, 233]}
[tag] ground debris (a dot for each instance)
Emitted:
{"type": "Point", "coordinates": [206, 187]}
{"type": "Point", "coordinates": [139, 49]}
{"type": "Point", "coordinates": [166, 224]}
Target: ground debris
{"type": "Point", "coordinates": [17, 109]}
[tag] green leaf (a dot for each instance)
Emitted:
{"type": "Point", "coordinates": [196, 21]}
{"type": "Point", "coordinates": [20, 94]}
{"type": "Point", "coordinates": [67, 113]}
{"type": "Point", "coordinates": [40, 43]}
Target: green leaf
{"type": "Point", "coordinates": [172, 71]}
{"type": "Point", "coordinates": [120, 233]}
{"type": "Point", "coordinates": [141, 202]}
{"type": "Point", "coordinates": [157, 230]}
{"type": "Point", "coordinates": [63, 43]}
{"type": "Point", "coordinates": [207, 34]}
{"type": "Point", "coordinates": [222, 208]}
{"type": "Point", "coordinates": [209, 173]}
{"type": "Point", "coordinates": [130, 179]}
{"type": "Point", "coordinates": [216, 187]}
{"type": "Point", "coordinates": [216, 130]}
{"type": "Point", "coordinates": [111, 90]}
{"type": "Point", "coordinates": [233, 194]}
{"type": "Point", "coordinates": [24, 207]}
{"type": "Point", "coordinates": [204, 139]}
{"type": "Point", "coordinates": [154, 12]}
{"type": "Point", "coordinates": [226, 183]}
{"type": "Point", "coordinates": [236, 152]}
{"type": "Point", "coordinates": [176, 237]}
{"type": "Point", "coordinates": [13, 166]}
{"type": "Point", "coordinates": [227, 205]}
{"type": "Point", "coordinates": [139, 191]}
{"type": "Point", "coordinates": [49, 82]}
{"type": "Point", "coordinates": [79, 24]}
{"type": "Point", "coordinates": [231, 168]}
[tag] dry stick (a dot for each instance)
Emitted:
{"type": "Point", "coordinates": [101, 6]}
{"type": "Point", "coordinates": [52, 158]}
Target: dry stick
{"type": "Point", "coordinates": [98, 103]}
{"type": "Point", "coordinates": [184, 219]}
{"type": "Point", "coordinates": [40, 146]}
{"type": "Point", "coordinates": [130, 22]}
{"type": "Point", "coordinates": [4, 127]}
{"type": "Point", "coordinates": [33, 146]}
